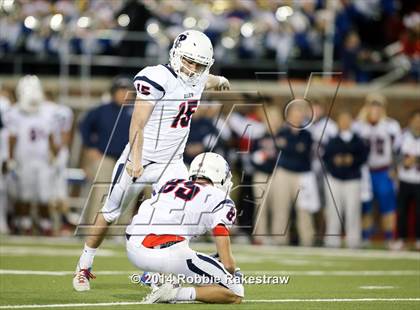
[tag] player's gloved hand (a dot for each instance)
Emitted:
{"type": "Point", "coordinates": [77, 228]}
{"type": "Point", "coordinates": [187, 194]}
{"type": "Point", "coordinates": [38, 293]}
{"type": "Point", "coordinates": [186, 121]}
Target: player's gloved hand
{"type": "Point", "coordinates": [134, 170]}
{"type": "Point", "coordinates": [223, 83]}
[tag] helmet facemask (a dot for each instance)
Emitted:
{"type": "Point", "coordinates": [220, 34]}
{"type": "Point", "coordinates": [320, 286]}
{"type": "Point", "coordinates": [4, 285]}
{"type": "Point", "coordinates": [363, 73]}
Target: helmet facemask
{"type": "Point", "coordinates": [190, 77]}
{"type": "Point", "coordinates": [191, 48]}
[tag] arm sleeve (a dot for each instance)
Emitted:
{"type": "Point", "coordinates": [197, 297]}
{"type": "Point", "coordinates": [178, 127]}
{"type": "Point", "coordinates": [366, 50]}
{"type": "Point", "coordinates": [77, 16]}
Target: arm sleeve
{"type": "Point", "coordinates": [150, 84]}
{"type": "Point", "coordinates": [88, 126]}
{"type": "Point", "coordinates": [11, 122]}
{"type": "Point", "coordinates": [395, 132]}
{"type": "Point", "coordinates": [223, 214]}
{"type": "Point", "coordinates": [68, 120]}
{"type": "Point", "coordinates": [405, 147]}
{"type": "Point", "coordinates": [361, 154]}
{"type": "Point", "coordinates": [328, 152]}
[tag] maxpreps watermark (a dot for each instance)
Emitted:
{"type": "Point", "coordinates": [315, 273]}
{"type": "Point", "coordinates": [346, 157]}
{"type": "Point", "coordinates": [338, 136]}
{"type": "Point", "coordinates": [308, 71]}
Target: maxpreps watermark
{"type": "Point", "coordinates": [205, 280]}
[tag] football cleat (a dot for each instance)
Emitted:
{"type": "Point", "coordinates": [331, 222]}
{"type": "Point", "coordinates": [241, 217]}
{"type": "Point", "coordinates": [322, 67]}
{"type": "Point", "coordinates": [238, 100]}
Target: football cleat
{"type": "Point", "coordinates": [81, 280]}
{"type": "Point", "coordinates": [148, 279]}
{"type": "Point", "coordinates": [164, 294]}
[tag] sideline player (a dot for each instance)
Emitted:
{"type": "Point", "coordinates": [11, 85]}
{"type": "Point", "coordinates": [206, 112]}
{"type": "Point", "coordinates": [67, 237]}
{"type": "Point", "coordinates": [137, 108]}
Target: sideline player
{"type": "Point", "coordinates": [158, 237]}
{"type": "Point", "coordinates": [383, 135]}
{"type": "Point", "coordinates": [167, 97]}
{"type": "Point", "coordinates": [4, 154]}
{"type": "Point", "coordinates": [62, 116]}
{"type": "Point", "coordinates": [30, 148]}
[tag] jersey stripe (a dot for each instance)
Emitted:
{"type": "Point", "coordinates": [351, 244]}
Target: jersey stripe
{"type": "Point", "coordinates": [226, 201]}
{"type": "Point", "coordinates": [153, 83]}
{"type": "Point", "coordinates": [117, 176]}
{"type": "Point", "coordinates": [201, 272]}
{"type": "Point", "coordinates": [212, 261]}
{"type": "Point", "coordinates": [167, 66]}
{"type": "Point", "coordinates": [220, 230]}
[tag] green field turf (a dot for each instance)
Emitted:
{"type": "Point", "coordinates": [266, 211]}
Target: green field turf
{"type": "Point", "coordinates": [38, 272]}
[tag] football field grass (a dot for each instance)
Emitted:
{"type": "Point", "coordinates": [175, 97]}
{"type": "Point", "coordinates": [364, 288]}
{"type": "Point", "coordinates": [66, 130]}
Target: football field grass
{"type": "Point", "coordinates": [37, 273]}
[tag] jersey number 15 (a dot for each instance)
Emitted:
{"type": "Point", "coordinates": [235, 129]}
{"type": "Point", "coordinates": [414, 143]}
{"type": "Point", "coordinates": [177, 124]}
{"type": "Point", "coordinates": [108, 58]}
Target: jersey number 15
{"type": "Point", "coordinates": [186, 110]}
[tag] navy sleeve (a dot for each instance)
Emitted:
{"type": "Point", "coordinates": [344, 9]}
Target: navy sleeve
{"type": "Point", "coordinates": [328, 151]}
{"type": "Point", "coordinates": [280, 137]}
{"type": "Point", "coordinates": [88, 128]}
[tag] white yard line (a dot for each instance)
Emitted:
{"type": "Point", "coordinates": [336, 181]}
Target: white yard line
{"type": "Point", "coordinates": [50, 251]}
{"type": "Point", "coordinates": [128, 303]}
{"type": "Point", "coordinates": [328, 252]}
{"type": "Point", "coordinates": [331, 300]}
{"type": "Point", "coordinates": [336, 272]}
{"type": "Point", "coordinates": [54, 242]}
{"type": "Point", "coordinates": [315, 273]}
{"type": "Point", "coordinates": [377, 287]}
{"type": "Point", "coordinates": [59, 273]}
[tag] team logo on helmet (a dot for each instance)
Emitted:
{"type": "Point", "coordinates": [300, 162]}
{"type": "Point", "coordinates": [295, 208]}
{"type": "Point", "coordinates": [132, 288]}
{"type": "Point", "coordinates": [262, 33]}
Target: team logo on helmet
{"type": "Point", "coordinates": [180, 38]}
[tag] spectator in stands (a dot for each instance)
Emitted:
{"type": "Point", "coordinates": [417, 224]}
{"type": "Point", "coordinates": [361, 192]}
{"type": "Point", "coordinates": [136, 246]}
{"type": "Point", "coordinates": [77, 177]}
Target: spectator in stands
{"type": "Point", "coordinates": [139, 15]}
{"type": "Point", "coordinates": [243, 29]}
{"type": "Point", "coordinates": [352, 57]}
{"type": "Point", "coordinates": [293, 183]}
{"type": "Point", "coordinates": [264, 155]}
{"type": "Point", "coordinates": [410, 41]}
{"type": "Point", "coordinates": [104, 132]}
{"type": "Point", "coordinates": [370, 17]}
{"type": "Point", "coordinates": [344, 155]}
{"type": "Point", "coordinates": [409, 180]}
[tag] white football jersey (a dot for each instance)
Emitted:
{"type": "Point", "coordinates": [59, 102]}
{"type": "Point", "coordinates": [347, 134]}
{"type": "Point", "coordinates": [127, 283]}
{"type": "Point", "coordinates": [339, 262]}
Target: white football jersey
{"type": "Point", "coordinates": [62, 117]}
{"type": "Point", "coordinates": [410, 145]}
{"type": "Point", "coordinates": [322, 130]}
{"type": "Point", "coordinates": [183, 208]}
{"type": "Point", "coordinates": [167, 129]}
{"type": "Point", "coordinates": [32, 131]}
{"type": "Point", "coordinates": [4, 137]}
{"type": "Point", "coordinates": [383, 138]}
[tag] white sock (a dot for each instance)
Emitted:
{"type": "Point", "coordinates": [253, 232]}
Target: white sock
{"type": "Point", "coordinates": [185, 294]}
{"type": "Point", "coordinates": [45, 224]}
{"type": "Point", "coordinates": [4, 229]}
{"type": "Point", "coordinates": [25, 222]}
{"type": "Point", "coordinates": [86, 259]}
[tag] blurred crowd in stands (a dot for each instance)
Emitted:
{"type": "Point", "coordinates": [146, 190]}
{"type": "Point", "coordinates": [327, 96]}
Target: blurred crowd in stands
{"type": "Point", "coordinates": [365, 34]}
{"type": "Point", "coordinates": [301, 176]}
